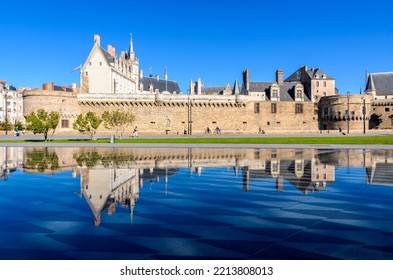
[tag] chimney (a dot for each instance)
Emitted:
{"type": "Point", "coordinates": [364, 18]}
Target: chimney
{"type": "Point", "coordinates": [279, 76]}
{"type": "Point", "coordinates": [246, 79]}
{"type": "Point", "coordinates": [141, 74]}
{"type": "Point", "coordinates": [157, 77]}
{"type": "Point", "coordinates": [48, 86]}
{"type": "Point", "coordinates": [199, 87]}
{"type": "Point", "coordinates": [111, 50]}
{"type": "Point", "coordinates": [97, 39]}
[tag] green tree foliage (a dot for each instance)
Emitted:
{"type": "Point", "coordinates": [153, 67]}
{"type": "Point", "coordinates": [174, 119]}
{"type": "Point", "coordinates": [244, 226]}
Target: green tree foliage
{"type": "Point", "coordinates": [42, 122]}
{"type": "Point", "coordinates": [88, 124]}
{"type": "Point", "coordinates": [118, 120]}
{"type": "Point", "coordinates": [3, 125]}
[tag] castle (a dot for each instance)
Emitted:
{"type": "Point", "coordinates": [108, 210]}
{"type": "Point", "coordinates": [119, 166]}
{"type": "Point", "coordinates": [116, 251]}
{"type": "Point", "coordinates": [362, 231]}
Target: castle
{"type": "Point", "coordinates": [306, 101]}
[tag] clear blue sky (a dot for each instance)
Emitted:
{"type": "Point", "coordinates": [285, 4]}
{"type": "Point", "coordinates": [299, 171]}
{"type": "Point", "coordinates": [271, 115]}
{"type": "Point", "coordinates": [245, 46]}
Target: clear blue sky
{"type": "Point", "coordinates": [42, 41]}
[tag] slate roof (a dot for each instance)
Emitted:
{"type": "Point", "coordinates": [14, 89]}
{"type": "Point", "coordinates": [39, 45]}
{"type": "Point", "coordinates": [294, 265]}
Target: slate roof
{"type": "Point", "coordinates": [58, 88]}
{"type": "Point", "coordinates": [381, 82]}
{"type": "Point", "coordinates": [236, 89]}
{"type": "Point", "coordinates": [161, 85]}
{"type": "Point", "coordinates": [260, 86]}
{"type": "Point", "coordinates": [110, 59]}
{"type": "Point", "coordinates": [311, 73]}
{"type": "Point", "coordinates": [286, 90]}
{"type": "Point", "coordinates": [212, 89]}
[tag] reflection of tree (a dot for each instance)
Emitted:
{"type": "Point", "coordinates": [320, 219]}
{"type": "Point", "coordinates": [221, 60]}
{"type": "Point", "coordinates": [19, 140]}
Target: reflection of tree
{"type": "Point", "coordinates": [92, 159]}
{"type": "Point", "coordinates": [42, 160]}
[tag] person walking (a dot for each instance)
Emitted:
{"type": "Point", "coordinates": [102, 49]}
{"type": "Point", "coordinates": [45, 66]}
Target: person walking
{"type": "Point", "coordinates": [135, 132]}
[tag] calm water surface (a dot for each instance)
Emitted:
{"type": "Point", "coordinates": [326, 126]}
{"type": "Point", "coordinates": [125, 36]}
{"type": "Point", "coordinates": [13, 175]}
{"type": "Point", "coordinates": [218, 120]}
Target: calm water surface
{"type": "Point", "coordinates": [194, 203]}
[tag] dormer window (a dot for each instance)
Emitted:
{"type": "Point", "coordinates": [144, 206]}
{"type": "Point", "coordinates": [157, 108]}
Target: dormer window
{"type": "Point", "coordinates": [275, 93]}
{"type": "Point", "coordinates": [316, 76]}
{"type": "Point", "coordinates": [299, 93]}
{"type": "Point", "coordinates": [323, 76]}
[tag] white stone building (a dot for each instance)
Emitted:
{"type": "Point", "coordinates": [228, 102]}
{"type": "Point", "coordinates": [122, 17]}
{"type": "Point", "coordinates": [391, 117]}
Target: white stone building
{"type": "Point", "coordinates": [11, 104]}
{"type": "Point", "coordinates": [105, 73]}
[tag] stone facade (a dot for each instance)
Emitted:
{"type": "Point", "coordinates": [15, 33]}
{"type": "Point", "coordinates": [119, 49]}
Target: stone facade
{"type": "Point", "coordinates": [59, 101]}
{"type": "Point", "coordinates": [305, 102]}
{"type": "Point", "coordinates": [345, 112]}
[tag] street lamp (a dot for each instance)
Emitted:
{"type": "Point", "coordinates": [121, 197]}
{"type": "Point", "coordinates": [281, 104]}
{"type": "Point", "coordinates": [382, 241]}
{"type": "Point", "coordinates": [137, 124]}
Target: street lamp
{"type": "Point", "coordinates": [6, 113]}
{"type": "Point", "coordinates": [364, 115]}
{"type": "Point", "coordinates": [189, 114]}
{"type": "Point", "coordinates": [347, 115]}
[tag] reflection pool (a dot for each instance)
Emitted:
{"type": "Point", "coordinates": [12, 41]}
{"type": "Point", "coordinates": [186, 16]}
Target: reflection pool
{"type": "Point", "coordinates": [195, 203]}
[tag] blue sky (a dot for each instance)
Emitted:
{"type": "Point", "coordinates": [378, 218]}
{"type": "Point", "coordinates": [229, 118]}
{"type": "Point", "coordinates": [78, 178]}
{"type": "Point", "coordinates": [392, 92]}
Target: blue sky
{"type": "Point", "coordinates": [42, 41]}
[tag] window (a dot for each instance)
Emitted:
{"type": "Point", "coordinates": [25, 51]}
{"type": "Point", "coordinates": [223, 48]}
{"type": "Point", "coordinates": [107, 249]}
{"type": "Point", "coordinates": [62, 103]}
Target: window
{"type": "Point", "coordinates": [256, 108]}
{"type": "Point", "coordinates": [324, 83]}
{"type": "Point", "coordinates": [86, 74]}
{"type": "Point", "coordinates": [317, 83]}
{"type": "Point", "coordinates": [299, 93]}
{"type": "Point", "coordinates": [65, 123]}
{"type": "Point", "coordinates": [274, 108]}
{"type": "Point", "coordinates": [90, 63]}
{"type": "Point", "coordinates": [275, 93]}
{"type": "Point", "coordinates": [299, 109]}
{"type": "Point", "coordinates": [100, 63]}
{"type": "Point", "coordinates": [387, 109]}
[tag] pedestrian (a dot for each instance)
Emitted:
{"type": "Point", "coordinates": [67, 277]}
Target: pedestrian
{"type": "Point", "coordinates": [135, 133]}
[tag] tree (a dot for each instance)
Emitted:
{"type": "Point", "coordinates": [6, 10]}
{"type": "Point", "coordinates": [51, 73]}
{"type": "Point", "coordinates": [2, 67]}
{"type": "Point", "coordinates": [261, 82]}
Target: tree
{"type": "Point", "coordinates": [118, 120]}
{"type": "Point", "coordinates": [42, 122]}
{"type": "Point", "coordinates": [88, 124]}
{"type": "Point", "coordinates": [6, 123]}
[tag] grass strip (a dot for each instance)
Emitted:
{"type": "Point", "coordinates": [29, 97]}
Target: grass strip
{"type": "Point", "coordinates": [332, 140]}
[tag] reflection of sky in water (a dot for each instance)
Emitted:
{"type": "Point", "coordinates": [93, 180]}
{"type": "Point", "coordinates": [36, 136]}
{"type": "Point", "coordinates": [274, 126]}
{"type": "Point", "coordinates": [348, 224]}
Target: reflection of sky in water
{"type": "Point", "coordinates": [193, 216]}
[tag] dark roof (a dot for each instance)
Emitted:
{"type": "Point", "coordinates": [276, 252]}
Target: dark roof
{"type": "Point", "coordinates": [286, 90]}
{"type": "Point", "coordinates": [110, 59]}
{"type": "Point", "coordinates": [213, 89]}
{"type": "Point", "coordinates": [316, 73]}
{"type": "Point", "coordinates": [58, 88]}
{"type": "Point", "coordinates": [236, 89]}
{"type": "Point", "coordinates": [381, 82]}
{"type": "Point", "coordinates": [161, 85]}
{"type": "Point", "coordinates": [295, 77]}
{"type": "Point", "coordinates": [260, 86]}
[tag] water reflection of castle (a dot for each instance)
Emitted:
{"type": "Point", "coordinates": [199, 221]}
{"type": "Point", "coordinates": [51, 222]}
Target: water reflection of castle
{"type": "Point", "coordinates": [112, 178]}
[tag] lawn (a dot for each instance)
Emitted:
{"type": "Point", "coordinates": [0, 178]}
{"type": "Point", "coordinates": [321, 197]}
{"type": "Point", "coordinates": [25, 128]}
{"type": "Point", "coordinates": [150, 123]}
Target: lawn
{"type": "Point", "coordinates": [331, 140]}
